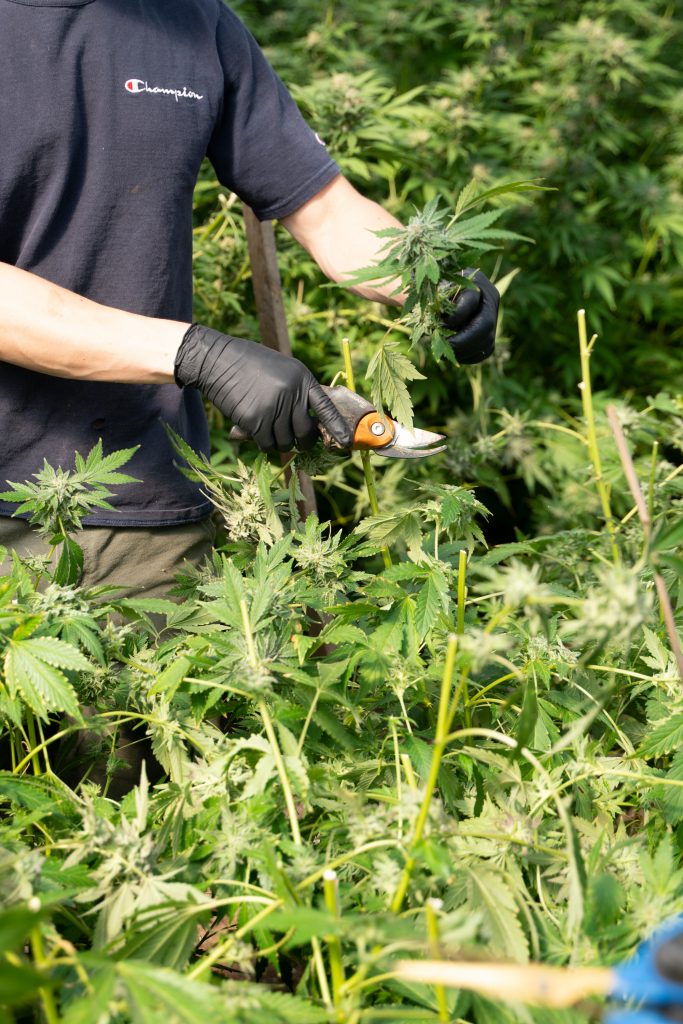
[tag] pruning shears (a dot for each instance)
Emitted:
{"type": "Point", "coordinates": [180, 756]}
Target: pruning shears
{"type": "Point", "coordinates": [651, 980]}
{"type": "Point", "coordinates": [372, 431]}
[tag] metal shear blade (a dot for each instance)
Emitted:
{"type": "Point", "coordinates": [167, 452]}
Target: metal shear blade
{"type": "Point", "coordinates": [411, 444]}
{"type": "Point", "coordinates": [372, 432]}
{"type": "Point", "coordinates": [379, 434]}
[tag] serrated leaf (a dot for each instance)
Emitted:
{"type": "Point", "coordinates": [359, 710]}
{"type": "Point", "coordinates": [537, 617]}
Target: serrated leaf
{"type": "Point", "coordinates": [471, 228]}
{"type": "Point", "coordinates": [155, 605]}
{"type": "Point", "coordinates": [157, 995]}
{"type": "Point", "coordinates": [388, 371]}
{"type": "Point", "coordinates": [668, 537]}
{"type": "Point", "coordinates": [523, 185]}
{"type": "Point", "coordinates": [330, 724]}
{"type": "Point", "coordinates": [168, 681]}
{"type": "Point", "coordinates": [169, 941]}
{"type": "Point", "coordinates": [671, 796]}
{"type": "Point", "coordinates": [403, 526]}
{"type": "Point", "coordinates": [40, 685]}
{"type": "Point", "coordinates": [432, 599]}
{"type": "Point", "coordinates": [493, 896]}
{"type": "Point", "coordinates": [665, 738]}
{"type": "Point", "coordinates": [466, 197]}
{"type": "Point", "coordinates": [91, 1007]}
{"type": "Point", "coordinates": [99, 466]}
{"type": "Point", "coordinates": [57, 652]}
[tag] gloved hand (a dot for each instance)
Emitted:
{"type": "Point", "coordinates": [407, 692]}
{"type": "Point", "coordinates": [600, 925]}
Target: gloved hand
{"type": "Point", "coordinates": [474, 317]}
{"type": "Point", "coordinates": [265, 393]}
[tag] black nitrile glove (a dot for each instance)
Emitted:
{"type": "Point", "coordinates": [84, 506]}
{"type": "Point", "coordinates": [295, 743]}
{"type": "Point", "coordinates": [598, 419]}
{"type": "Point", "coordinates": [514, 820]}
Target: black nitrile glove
{"type": "Point", "coordinates": [474, 317]}
{"type": "Point", "coordinates": [264, 392]}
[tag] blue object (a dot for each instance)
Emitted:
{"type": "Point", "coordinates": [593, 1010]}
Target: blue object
{"type": "Point", "coordinates": [640, 981]}
{"type": "Point", "coordinates": [637, 1017]}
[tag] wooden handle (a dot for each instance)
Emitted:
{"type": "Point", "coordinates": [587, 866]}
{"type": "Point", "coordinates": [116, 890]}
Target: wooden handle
{"type": "Point", "coordinates": [535, 984]}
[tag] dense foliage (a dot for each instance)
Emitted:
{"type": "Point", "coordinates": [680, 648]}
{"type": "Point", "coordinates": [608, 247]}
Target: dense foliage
{"type": "Point", "coordinates": [585, 95]}
{"type": "Point", "coordinates": [449, 724]}
{"type": "Point", "coordinates": [467, 748]}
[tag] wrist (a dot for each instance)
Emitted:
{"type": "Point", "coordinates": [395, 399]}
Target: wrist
{"type": "Point", "coordinates": [184, 358]}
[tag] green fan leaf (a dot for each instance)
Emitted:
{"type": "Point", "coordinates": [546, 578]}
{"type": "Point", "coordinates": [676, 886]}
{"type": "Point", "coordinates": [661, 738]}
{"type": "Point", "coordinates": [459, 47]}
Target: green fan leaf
{"type": "Point", "coordinates": [388, 371]}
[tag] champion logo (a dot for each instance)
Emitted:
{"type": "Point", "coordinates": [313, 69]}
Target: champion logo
{"type": "Point", "coordinates": [137, 85]}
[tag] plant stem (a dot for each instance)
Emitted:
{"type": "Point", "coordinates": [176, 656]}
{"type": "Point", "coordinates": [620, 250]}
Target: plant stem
{"type": "Point", "coordinates": [644, 516]}
{"type": "Point", "coordinates": [307, 723]}
{"type": "Point", "coordinates": [33, 740]}
{"type": "Point", "coordinates": [652, 480]}
{"type": "Point", "coordinates": [460, 629]}
{"type": "Point", "coordinates": [462, 590]}
{"type": "Point", "coordinates": [585, 349]}
{"type": "Point", "coordinates": [270, 733]}
{"type": "Point", "coordinates": [399, 779]}
{"type": "Point", "coordinates": [431, 909]}
{"type": "Point", "coordinates": [286, 789]}
{"type": "Point", "coordinates": [368, 470]}
{"type": "Point", "coordinates": [334, 951]}
{"type": "Point", "coordinates": [409, 771]}
{"type": "Point", "coordinates": [440, 740]}
{"type": "Point", "coordinates": [46, 994]}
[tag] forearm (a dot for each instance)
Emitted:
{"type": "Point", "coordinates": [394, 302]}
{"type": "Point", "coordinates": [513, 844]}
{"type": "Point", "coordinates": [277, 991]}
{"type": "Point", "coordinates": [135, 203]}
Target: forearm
{"type": "Point", "coordinates": [337, 228]}
{"type": "Point", "coordinates": [51, 330]}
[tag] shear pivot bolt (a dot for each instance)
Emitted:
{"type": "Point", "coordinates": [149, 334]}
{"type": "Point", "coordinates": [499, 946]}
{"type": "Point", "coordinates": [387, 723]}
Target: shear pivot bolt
{"type": "Point", "coordinates": [377, 429]}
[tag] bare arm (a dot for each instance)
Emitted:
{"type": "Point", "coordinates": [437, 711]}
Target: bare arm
{"type": "Point", "coordinates": [47, 328]}
{"type": "Point", "coordinates": [336, 227]}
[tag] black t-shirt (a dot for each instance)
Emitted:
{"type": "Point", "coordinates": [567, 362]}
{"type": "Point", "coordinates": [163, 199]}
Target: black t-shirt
{"type": "Point", "coordinates": [107, 108]}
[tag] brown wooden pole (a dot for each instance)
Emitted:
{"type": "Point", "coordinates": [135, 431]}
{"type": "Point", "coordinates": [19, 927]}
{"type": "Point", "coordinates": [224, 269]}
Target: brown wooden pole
{"type": "Point", "coordinates": [270, 310]}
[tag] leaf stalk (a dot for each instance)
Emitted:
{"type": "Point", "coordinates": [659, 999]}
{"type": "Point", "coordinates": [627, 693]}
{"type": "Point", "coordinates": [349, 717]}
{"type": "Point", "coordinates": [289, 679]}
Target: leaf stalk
{"type": "Point", "coordinates": [585, 350]}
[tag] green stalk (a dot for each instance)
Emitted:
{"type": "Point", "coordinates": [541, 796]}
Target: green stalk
{"type": "Point", "coordinates": [46, 756]}
{"type": "Point", "coordinates": [431, 909]}
{"type": "Point", "coordinates": [399, 779]}
{"type": "Point", "coordinates": [462, 590]}
{"type": "Point", "coordinates": [14, 746]}
{"type": "Point", "coordinates": [280, 764]}
{"type": "Point", "coordinates": [270, 733]}
{"type": "Point", "coordinates": [334, 950]}
{"type": "Point", "coordinates": [585, 349]}
{"type": "Point", "coordinates": [440, 741]}
{"type": "Point", "coordinates": [286, 789]}
{"type": "Point", "coordinates": [652, 480]}
{"type": "Point", "coordinates": [460, 629]}
{"type": "Point", "coordinates": [368, 470]}
{"type": "Point", "coordinates": [33, 740]}
{"type": "Point", "coordinates": [46, 995]}
{"type": "Point", "coordinates": [409, 771]}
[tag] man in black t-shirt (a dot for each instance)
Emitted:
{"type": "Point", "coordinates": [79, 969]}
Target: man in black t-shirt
{"type": "Point", "coordinates": [107, 108]}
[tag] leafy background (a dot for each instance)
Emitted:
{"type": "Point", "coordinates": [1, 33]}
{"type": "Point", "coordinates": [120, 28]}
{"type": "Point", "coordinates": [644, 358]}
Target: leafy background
{"type": "Point", "coordinates": [464, 704]}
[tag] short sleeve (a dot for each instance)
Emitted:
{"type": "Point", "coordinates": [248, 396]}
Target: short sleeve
{"type": "Point", "coordinates": [261, 147]}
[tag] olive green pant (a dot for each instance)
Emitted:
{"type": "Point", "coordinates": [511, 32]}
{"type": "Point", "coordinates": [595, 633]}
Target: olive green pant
{"type": "Point", "coordinates": [143, 562]}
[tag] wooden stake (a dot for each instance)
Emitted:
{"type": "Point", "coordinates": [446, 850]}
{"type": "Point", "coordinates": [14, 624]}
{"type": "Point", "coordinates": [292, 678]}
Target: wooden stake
{"type": "Point", "coordinates": [270, 310]}
{"type": "Point", "coordinates": [644, 516]}
{"type": "Point", "coordinates": [534, 984]}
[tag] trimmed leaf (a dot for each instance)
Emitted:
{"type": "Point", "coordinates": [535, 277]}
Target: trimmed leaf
{"type": "Point", "coordinates": [388, 372]}
{"type": "Point", "coordinates": [40, 685]}
{"type": "Point", "coordinates": [70, 564]}
{"type": "Point", "coordinates": [664, 738]}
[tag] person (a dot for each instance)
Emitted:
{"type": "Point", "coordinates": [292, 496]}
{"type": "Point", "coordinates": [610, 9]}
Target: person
{"type": "Point", "coordinates": [107, 109]}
